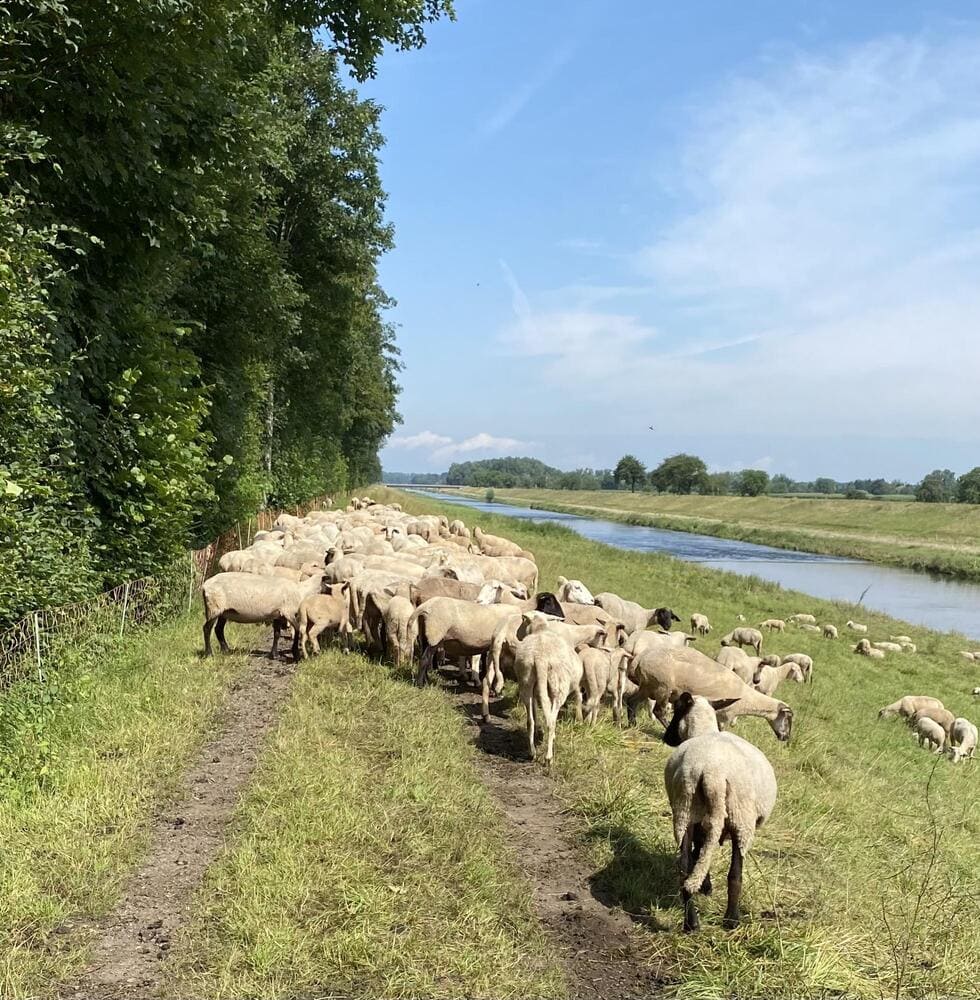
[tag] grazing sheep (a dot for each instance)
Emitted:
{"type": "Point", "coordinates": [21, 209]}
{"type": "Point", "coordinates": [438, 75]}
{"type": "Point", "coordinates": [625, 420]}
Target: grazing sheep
{"type": "Point", "coordinates": [804, 662]}
{"type": "Point", "coordinates": [907, 707]}
{"type": "Point", "coordinates": [634, 616]}
{"type": "Point", "coordinates": [719, 787]}
{"type": "Point", "coordinates": [253, 600]}
{"type": "Point", "coordinates": [739, 662]}
{"type": "Point", "coordinates": [909, 647]}
{"type": "Point", "coordinates": [584, 614]}
{"type": "Point", "coordinates": [573, 591]}
{"type": "Point", "coordinates": [807, 627]}
{"type": "Point", "coordinates": [604, 672]}
{"type": "Point", "coordinates": [888, 647]}
{"type": "Point", "coordinates": [700, 624]}
{"type": "Point", "coordinates": [942, 716]}
{"type": "Point", "coordinates": [929, 731]}
{"type": "Point", "coordinates": [397, 632]}
{"type": "Point", "coordinates": [329, 610]}
{"type": "Point", "coordinates": [830, 631]}
{"type": "Point", "coordinates": [967, 655]}
{"type": "Point", "coordinates": [457, 527]}
{"type": "Point", "coordinates": [767, 679]}
{"type": "Point", "coordinates": [639, 642]}
{"type": "Point", "coordinates": [903, 639]}
{"type": "Point", "coordinates": [856, 626]}
{"type": "Point", "coordinates": [864, 648]}
{"type": "Point", "coordinates": [976, 692]}
{"type": "Point", "coordinates": [962, 740]}
{"type": "Point", "coordinates": [663, 672]}
{"type": "Point", "coordinates": [494, 545]}
{"type": "Point", "coordinates": [744, 637]}
{"type": "Point", "coordinates": [799, 618]}
{"type": "Point", "coordinates": [773, 625]}
{"type": "Point", "coordinates": [740, 618]}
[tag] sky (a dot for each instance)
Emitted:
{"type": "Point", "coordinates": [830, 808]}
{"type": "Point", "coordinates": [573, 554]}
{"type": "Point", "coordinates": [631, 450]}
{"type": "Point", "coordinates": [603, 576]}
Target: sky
{"type": "Point", "coordinates": [754, 228]}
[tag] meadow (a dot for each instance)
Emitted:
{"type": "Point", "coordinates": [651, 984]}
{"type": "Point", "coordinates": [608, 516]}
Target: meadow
{"type": "Point", "coordinates": [936, 538]}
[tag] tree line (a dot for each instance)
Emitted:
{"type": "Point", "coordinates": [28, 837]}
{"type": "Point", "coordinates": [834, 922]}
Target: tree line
{"type": "Point", "coordinates": [191, 321]}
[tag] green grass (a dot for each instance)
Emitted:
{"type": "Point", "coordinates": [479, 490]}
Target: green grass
{"type": "Point", "coordinates": [937, 538]}
{"type": "Point", "coordinates": [369, 860]}
{"type": "Point", "coordinates": [856, 887]}
{"type": "Point", "coordinates": [68, 842]}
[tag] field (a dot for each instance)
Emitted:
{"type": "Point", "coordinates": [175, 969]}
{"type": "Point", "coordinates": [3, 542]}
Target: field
{"type": "Point", "coordinates": [938, 538]}
{"type": "Point", "coordinates": [373, 853]}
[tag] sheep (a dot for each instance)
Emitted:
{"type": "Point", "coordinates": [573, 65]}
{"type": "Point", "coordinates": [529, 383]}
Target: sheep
{"type": "Point", "coordinates": [773, 625]}
{"type": "Point", "coordinates": [459, 628]}
{"type": "Point", "coordinates": [909, 647]}
{"type": "Point", "coordinates": [663, 672]}
{"type": "Point", "coordinates": [573, 591]}
{"type": "Point", "coordinates": [740, 618]}
{"type": "Point", "coordinates": [250, 599]}
{"type": "Point", "coordinates": [744, 637]}
{"type": "Point", "coordinates": [604, 672]}
{"type": "Point", "coordinates": [909, 705]}
{"type": "Point", "coordinates": [739, 662]}
{"type": "Point", "coordinates": [804, 662]}
{"type": "Point", "coordinates": [799, 618]}
{"type": "Point", "coordinates": [585, 614]}
{"type": "Point", "coordinates": [962, 740]}
{"type": "Point", "coordinates": [397, 632]}
{"type": "Point", "coordinates": [513, 570]}
{"type": "Point", "coordinates": [967, 655]}
{"type": "Point", "coordinates": [888, 647]}
{"type": "Point", "coordinates": [902, 639]}
{"type": "Point", "coordinates": [457, 527]}
{"type": "Point", "coordinates": [830, 631]}
{"type": "Point", "coordinates": [329, 610]}
{"type": "Point", "coordinates": [855, 626]}
{"type": "Point", "coordinates": [941, 716]}
{"type": "Point", "coordinates": [548, 670]}
{"type": "Point", "coordinates": [700, 624]}
{"type": "Point", "coordinates": [494, 545]}
{"type": "Point", "coordinates": [807, 627]}
{"type": "Point", "coordinates": [641, 641]}
{"type": "Point", "coordinates": [634, 616]}
{"type": "Point", "coordinates": [929, 731]}
{"type": "Point", "coordinates": [976, 692]}
{"type": "Point", "coordinates": [864, 648]}
{"type": "Point", "coordinates": [719, 786]}
{"type": "Point", "coordinates": [767, 679]}
{"type": "Point", "coordinates": [296, 555]}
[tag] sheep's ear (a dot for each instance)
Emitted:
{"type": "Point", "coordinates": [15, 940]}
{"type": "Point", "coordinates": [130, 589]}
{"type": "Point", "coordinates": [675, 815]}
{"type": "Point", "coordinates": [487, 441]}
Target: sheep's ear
{"type": "Point", "coordinates": [721, 703]}
{"type": "Point", "coordinates": [683, 704]}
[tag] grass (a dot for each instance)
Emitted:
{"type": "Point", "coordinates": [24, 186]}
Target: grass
{"type": "Point", "coordinates": [865, 882]}
{"type": "Point", "coordinates": [111, 755]}
{"type": "Point", "coordinates": [368, 862]}
{"type": "Point", "coordinates": [937, 538]}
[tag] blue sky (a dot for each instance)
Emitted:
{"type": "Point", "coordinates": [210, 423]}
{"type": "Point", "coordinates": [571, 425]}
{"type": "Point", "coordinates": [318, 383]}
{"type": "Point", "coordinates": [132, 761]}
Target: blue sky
{"type": "Point", "coordinates": [754, 227]}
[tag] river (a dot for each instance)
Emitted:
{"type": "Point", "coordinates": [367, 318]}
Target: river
{"type": "Point", "coordinates": [934, 602]}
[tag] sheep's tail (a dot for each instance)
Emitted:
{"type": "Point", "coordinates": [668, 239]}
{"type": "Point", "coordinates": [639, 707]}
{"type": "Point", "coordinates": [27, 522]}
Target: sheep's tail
{"type": "Point", "coordinates": [542, 688]}
{"type": "Point", "coordinates": [714, 788]}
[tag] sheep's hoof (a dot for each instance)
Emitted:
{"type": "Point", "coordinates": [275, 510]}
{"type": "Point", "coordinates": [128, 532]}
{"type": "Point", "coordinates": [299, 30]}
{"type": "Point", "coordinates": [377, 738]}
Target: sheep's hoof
{"type": "Point", "coordinates": [729, 922]}
{"type": "Point", "coordinates": [705, 889]}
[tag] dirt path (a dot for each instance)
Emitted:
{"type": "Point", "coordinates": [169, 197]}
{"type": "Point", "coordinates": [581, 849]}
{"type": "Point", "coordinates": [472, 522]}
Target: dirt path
{"type": "Point", "coordinates": [594, 940]}
{"type": "Point", "coordinates": [187, 835]}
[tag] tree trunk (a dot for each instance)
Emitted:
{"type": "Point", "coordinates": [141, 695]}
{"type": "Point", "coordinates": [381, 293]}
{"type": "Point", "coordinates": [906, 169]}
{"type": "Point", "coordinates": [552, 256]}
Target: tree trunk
{"type": "Point", "coordinates": [270, 412]}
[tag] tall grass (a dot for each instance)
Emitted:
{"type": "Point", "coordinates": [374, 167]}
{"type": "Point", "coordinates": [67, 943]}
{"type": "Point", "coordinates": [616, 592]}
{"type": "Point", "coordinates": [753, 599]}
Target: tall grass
{"type": "Point", "coordinates": [866, 881]}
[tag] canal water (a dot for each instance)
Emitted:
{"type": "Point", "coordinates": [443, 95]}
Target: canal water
{"type": "Point", "coordinates": [924, 599]}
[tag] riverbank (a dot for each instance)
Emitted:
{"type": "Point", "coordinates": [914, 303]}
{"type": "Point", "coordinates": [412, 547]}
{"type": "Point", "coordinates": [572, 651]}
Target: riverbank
{"type": "Point", "coordinates": [931, 538]}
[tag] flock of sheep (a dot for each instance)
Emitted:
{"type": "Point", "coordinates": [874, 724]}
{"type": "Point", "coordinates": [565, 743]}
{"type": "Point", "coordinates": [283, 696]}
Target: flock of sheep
{"type": "Point", "coordinates": [428, 588]}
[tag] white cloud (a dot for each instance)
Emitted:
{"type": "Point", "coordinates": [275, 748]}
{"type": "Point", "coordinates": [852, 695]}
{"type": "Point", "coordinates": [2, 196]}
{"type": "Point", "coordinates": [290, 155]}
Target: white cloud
{"type": "Point", "coordinates": [441, 447]}
{"type": "Point", "coordinates": [424, 439]}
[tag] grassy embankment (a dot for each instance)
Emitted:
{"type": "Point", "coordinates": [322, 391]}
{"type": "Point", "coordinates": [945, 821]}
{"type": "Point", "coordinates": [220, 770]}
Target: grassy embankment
{"type": "Point", "coordinates": [937, 538]}
{"type": "Point", "coordinates": [866, 880]}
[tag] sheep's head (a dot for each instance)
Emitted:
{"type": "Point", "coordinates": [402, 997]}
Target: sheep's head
{"type": "Point", "coordinates": [782, 725]}
{"type": "Point", "coordinates": [693, 716]}
{"type": "Point", "coordinates": [548, 603]}
{"type": "Point", "coordinates": [664, 617]}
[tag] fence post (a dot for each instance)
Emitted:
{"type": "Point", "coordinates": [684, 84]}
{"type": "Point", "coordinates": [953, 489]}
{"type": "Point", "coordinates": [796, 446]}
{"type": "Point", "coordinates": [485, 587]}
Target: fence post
{"type": "Point", "coordinates": [37, 641]}
{"type": "Point", "coordinates": [190, 583]}
{"type": "Point", "coordinates": [122, 624]}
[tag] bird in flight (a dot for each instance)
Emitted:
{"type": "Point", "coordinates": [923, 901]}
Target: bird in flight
{"type": "Point", "coordinates": [652, 427]}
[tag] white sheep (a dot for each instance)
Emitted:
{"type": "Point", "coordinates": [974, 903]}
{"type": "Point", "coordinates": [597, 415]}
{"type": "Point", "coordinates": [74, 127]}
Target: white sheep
{"type": "Point", "coordinates": [804, 662]}
{"type": "Point", "coordinates": [740, 618]}
{"type": "Point", "coordinates": [967, 655]}
{"type": "Point", "coordinates": [573, 591]}
{"type": "Point", "coordinates": [856, 626]}
{"type": "Point", "coordinates": [398, 637]}
{"type": "Point", "coordinates": [744, 637]}
{"type": "Point", "coordinates": [976, 692]}
{"type": "Point", "coordinates": [929, 731]}
{"type": "Point", "coordinates": [634, 616]}
{"type": "Point", "coordinates": [888, 647]}
{"type": "Point", "coordinates": [767, 679]}
{"type": "Point", "coordinates": [962, 740]}
{"type": "Point", "coordinates": [773, 625]}
{"type": "Point", "coordinates": [317, 614]}
{"type": "Point", "coordinates": [864, 648]}
{"type": "Point", "coordinates": [807, 627]}
{"type": "Point", "coordinates": [604, 672]}
{"type": "Point", "coordinates": [719, 786]}
{"type": "Point", "coordinates": [902, 639]}
{"type": "Point", "coordinates": [907, 707]}
{"type": "Point", "coordinates": [798, 618]}
{"type": "Point", "coordinates": [829, 631]}
{"type": "Point", "coordinates": [700, 624]}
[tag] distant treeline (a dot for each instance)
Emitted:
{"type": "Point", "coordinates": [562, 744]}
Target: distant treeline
{"type": "Point", "coordinates": [689, 474]}
{"type": "Point", "coordinates": [191, 323]}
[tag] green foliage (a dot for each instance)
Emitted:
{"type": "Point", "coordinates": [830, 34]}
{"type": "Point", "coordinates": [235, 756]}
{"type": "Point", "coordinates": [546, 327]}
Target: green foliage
{"type": "Point", "coordinates": [751, 482]}
{"type": "Point", "coordinates": [489, 496]}
{"type": "Point", "coordinates": [938, 487]}
{"type": "Point", "coordinates": [968, 487]}
{"type": "Point", "coordinates": [629, 469]}
{"type": "Point", "coordinates": [680, 474]}
{"type": "Point", "coordinates": [502, 472]}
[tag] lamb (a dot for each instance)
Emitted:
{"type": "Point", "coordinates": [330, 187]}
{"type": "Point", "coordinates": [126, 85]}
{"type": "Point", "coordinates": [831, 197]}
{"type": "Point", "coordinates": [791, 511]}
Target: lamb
{"type": "Point", "coordinates": [573, 591]}
{"type": "Point", "coordinates": [767, 679]}
{"type": "Point", "coordinates": [329, 610]}
{"type": "Point", "coordinates": [909, 705]}
{"type": "Point", "coordinates": [773, 625]}
{"type": "Point", "coordinates": [888, 647]}
{"type": "Point", "coordinates": [700, 624]}
{"type": "Point", "coordinates": [634, 616]}
{"type": "Point", "coordinates": [457, 527]}
{"type": "Point", "coordinates": [856, 626]}
{"type": "Point", "coordinates": [804, 662]}
{"type": "Point", "coordinates": [459, 628]}
{"type": "Point", "coordinates": [799, 618]}
{"type": "Point", "coordinates": [719, 786]}
{"type": "Point", "coordinates": [962, 740]}
{"type": "Point", "coordinates": [604, 672]}
{"type": "Point", "coordinates": [250, 599]}
{"type": "Point", "coordinates": [663, 672]}
{"type": "Point", "coordinates": [929, 731]}
{"type": "Point", "coordinates": [744, 637]}
{"type": "Point", "coordinates": [397, 633]}
{"type": "Point", "coordinates": [830, 631]}
{"type": "Point", "coordinates": [864, 648]}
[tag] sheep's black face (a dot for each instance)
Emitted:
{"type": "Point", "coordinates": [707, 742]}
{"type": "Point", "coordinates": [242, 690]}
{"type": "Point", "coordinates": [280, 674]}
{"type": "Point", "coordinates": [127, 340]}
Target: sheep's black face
{"type": "Point", "coordinates": [782, 725]}
{"type": "Point", "coordinates": [683, 705]}
{"type": "Point", "coordinates": [664, 617]}
{"type": "Point", "coordinates": [548, 604]}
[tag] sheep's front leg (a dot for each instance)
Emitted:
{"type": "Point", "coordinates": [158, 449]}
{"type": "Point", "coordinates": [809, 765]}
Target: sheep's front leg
{"type": "Point", "coordinates": [732, 915]}
{"type": "Point", "coordinates": [208, 627]}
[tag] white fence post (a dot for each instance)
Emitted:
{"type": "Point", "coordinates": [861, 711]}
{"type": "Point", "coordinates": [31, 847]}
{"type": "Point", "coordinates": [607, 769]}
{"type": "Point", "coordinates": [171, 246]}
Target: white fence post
{"type": "Point", "coordinates": [122, 624]}
{"type": "Point", "coordinates": [37, 641]}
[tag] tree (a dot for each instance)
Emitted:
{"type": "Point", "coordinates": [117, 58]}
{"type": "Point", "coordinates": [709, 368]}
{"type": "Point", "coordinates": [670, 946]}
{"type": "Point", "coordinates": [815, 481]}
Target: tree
{"type": "Point", "coordinates": [680, 474]}
{"type": "Point", "coordinates": [968, 486]}
{"type": "Point", "coordinates": [780, 484]}
{"type": "Point", "coordinates": [718, 484]}
{"type": "Point", "coordinates": [937, 487]}
{"type": "Point", "coordinates": [629, 469]}
{"type": "Point", "coordinates": [752, 482]}
{"type": "Point", "coordinates": [824, 485]}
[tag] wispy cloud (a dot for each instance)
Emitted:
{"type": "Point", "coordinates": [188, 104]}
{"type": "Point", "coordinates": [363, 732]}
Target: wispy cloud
{"type": "Point", "coordinates": [441, 447]}
{"type": "Point", "coordinates": [424, 439]}
{"type": "Point", "coordinates": [518, 99]}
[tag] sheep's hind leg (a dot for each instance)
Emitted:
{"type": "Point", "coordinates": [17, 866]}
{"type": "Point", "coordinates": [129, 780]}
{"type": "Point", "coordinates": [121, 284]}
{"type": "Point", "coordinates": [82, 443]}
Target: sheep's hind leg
{"type": "Point", "coordinates": [219, 631]}
{"type": "Point", "coordinates": [732, 915]}
{"type": "Point", "coordinates": [208, 628]}
{"type": "Point", "coordinates": [686, 863]}
{"type": "Point", "coordinates": [696, 849]}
